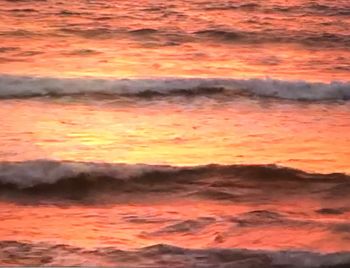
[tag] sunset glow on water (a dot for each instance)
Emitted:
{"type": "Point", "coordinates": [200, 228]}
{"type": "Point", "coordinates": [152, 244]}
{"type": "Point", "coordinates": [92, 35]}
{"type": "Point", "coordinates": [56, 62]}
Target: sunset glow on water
{"type": "Point", "coordinates": [296, 39]}
{"type": "Point", "coordinates": [179, 131]}
{"type": "Point", "coordinates": [175, 134]}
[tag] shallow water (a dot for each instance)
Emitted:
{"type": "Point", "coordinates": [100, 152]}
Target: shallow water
{"type": "Point", "coordinates": [78, 198]}
{"type": "Point", "coordinates": [181, 134]}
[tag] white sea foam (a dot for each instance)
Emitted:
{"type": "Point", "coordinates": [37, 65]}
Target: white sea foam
{"type": "Point", "coordinates": [30, 173]}
{"type": "Point", "coordinates": [21, 87]}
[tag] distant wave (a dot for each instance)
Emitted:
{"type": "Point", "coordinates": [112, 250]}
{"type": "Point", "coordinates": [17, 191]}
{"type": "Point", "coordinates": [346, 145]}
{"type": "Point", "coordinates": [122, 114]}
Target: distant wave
{"type": "Point", "coordinates": [310, 39]}
{"type": "Point", "coordinates": [317, 39]}
{"type": "Point", "coordinates": [82, 181]}
{"type": "Point", "coordinates": [26, 87]}
{"type": "Point", "coordinates": [302, 9]}
{"type": "Point", "coordinates": [225, 35]}
{"type": "Point", "coordinates": [161, 255]}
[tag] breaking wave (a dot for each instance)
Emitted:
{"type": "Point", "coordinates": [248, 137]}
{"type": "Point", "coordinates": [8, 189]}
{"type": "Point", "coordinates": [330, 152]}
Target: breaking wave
{"type": "Point", "coordinates": [83, 181]}
{"type": "Point", "coordinates": [162, 255]}
{"type": "Point", "coordinates": [26, 87]}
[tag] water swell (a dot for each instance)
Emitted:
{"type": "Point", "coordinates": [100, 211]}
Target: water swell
{"type": "Point", "coordinates": [82, 181]}
{"type": "Point", "coordinates": [223, 35]}
{"type": "Point", "coordinates": [26, 87]}
{"type": "Point", "coordinates": [308, 8]}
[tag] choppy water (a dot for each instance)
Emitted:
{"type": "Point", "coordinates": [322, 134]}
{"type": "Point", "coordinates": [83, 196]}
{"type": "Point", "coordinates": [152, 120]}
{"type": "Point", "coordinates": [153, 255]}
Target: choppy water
{"type": "Point", "coordinates": [299, 39]}
{"type": "Point", "coordinates": [180, 134]}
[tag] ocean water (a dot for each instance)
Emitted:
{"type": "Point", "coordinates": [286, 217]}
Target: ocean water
{"type": "Point", "coordinates": [192, 133]}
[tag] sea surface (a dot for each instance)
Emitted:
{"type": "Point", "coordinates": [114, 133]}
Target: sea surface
{"type": "Point", "coordinates": [185, 133]}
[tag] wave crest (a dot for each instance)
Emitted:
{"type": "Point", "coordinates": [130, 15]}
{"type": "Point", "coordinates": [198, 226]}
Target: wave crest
{"type": "Point", "coordinates": [80, 181]}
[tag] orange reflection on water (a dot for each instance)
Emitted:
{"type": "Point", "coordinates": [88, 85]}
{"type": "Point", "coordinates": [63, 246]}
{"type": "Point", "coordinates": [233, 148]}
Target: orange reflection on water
{"type": "Point", "coordinates": [121, 39]}
{"type": "Point", "coordinates": [178, 131]}
{"type": "Point", "coordinates": [135, 225]}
